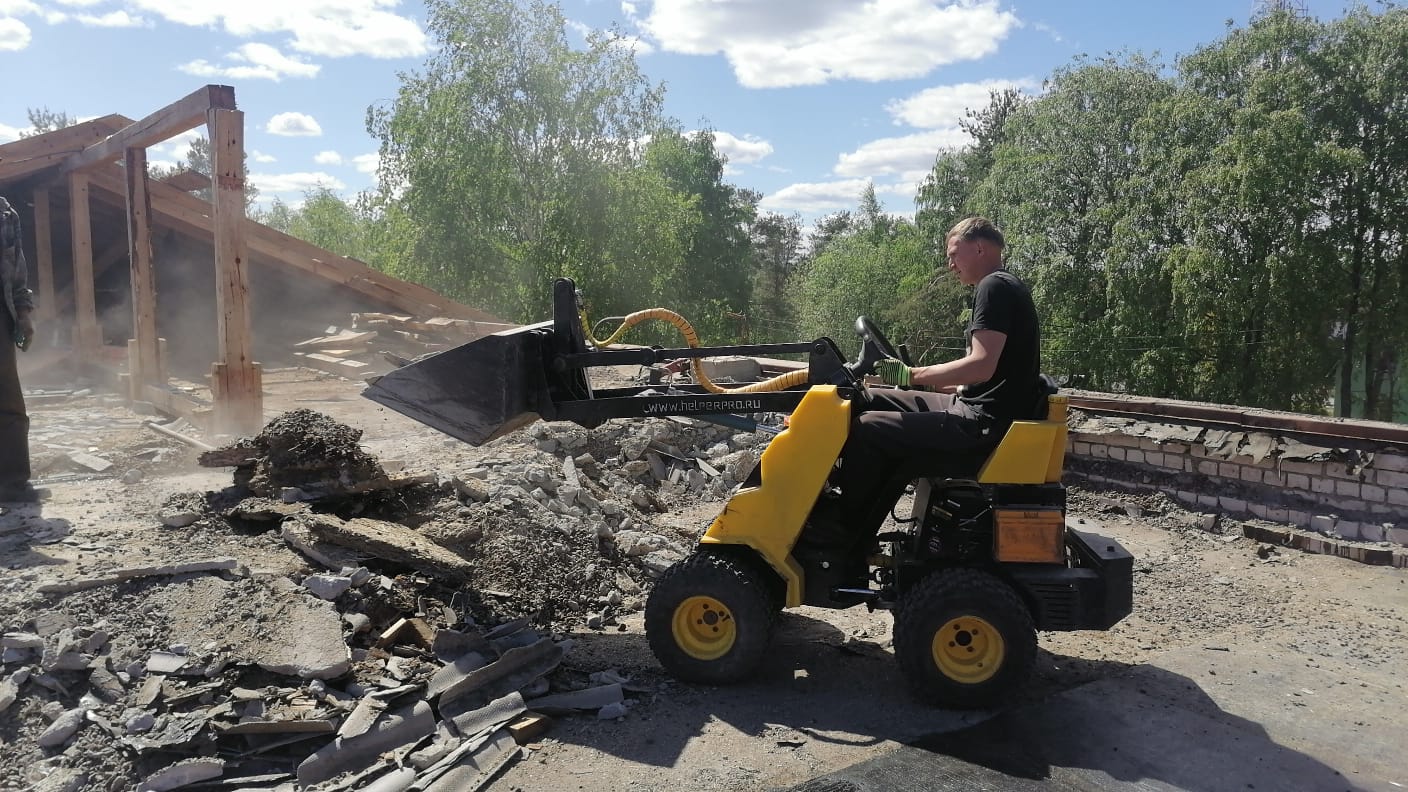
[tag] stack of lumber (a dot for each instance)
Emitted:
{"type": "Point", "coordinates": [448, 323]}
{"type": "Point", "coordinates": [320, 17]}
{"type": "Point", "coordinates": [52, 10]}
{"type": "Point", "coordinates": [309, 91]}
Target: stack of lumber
{"type": "Point", "coordinates": [375, 342]}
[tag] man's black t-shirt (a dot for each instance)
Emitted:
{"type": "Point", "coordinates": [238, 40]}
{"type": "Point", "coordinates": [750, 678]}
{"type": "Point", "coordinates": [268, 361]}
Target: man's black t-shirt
{"type": "Point", "coordinates": [1003, 303]}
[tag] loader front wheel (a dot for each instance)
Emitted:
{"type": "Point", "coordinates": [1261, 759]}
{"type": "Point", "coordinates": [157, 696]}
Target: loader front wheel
{"type": "Point", "coordinates": [964, 639]}
{"type": "Point", "coordinates": [708, 619]}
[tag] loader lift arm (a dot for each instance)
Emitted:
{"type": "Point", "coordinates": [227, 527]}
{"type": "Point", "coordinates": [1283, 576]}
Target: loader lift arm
{"type": "Point", "coordinates": [493, 385]}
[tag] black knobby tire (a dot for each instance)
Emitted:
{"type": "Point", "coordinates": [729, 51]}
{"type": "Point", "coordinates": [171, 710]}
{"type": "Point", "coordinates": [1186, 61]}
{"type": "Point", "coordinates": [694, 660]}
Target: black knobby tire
{"type": "Point", "coordinates": [963, 638]}
{"type": "Point", "coordinates": [708, 619]}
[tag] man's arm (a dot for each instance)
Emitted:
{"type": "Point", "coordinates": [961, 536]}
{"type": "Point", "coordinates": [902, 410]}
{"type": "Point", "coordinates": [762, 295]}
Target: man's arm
{"type": "Point", "coordinates": [976, 366]}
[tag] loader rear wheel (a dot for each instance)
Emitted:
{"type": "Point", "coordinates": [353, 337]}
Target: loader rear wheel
{"type": "Point", "coordinates": [708, 619]}
{"type": "Point", "coordinates": [964, 639]}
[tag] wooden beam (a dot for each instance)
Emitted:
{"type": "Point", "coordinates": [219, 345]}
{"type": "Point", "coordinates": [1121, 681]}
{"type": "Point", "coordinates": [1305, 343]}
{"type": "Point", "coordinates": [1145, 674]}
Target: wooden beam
{"type": "Point", "coordinates": [171, 120]}
{"type": "Point", "coordinates": [188, 181]}
{"type": "Point", "coordinates": [145, 366]}
{"type": "Point", "coordinates": [45, 309]}
{"type": "Point", "coordinates": [239, 403]}
{"type": "Point", "coordinates": [88, 337]}
{"type": "Point", "coordinates": [26, 156]}
{"type": "Point", "coordinates": [191, 215]}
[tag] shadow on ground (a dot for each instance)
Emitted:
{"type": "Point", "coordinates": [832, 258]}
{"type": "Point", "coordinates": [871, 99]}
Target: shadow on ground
{"type": "Point", "coordinates": [1080, 724]}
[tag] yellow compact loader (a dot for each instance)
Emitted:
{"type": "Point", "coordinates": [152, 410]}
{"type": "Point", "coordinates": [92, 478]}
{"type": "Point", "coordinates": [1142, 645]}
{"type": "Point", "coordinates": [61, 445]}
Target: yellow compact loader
{"type": "Point", "coordinates": [983, 560]}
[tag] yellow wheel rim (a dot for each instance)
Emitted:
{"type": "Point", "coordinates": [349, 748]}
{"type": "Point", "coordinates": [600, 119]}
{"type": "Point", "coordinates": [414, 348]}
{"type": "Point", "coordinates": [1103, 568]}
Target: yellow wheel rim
{"type": "Point", "coordinates": [968, 650]}
{"type": "Point", "coordinates": [703, 628]}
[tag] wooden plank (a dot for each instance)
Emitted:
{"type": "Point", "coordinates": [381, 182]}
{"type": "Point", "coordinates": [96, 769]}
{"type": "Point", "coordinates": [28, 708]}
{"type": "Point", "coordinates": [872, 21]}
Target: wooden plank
{"type": "Point", "coordinates": [351, 369]}
{"type": "Point", "coordinates": [146, 365]}
{"type": "Point", "coordinates": [30, 155]}
{"type": "Point", "coordinates": [188, 181]}
{"type": "Point", "coordinates": [239, 406]}
{"type": "Point", "coordinates": [44, 256]}
{"type": "Point", "coordinates": [89, 337]}
{"type": "Point", "coordinates": [344, 339]}
{"type": "Point", "coordinates": [179, 405]}
{"type": "Point", "coordinates": [177, 117]}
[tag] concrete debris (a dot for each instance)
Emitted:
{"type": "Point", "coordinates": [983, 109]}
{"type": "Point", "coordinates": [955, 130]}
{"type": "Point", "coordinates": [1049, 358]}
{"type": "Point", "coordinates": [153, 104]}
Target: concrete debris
{"type": "Point", "coordinates": [62, 728]}
{"type": "Point", "coordinates": [116, 576]}
{"type": "Point", "coordinates": [388, 681]}
{"type": "Point", "coordinates": [392, 542]}
{"type": "Point", "coordinates": [182, 774]}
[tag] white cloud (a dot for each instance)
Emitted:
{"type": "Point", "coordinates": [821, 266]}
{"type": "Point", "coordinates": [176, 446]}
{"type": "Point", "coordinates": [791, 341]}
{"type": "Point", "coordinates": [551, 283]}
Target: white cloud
{"type": "Point", "coordinates": [741, 150]}
{"type": "Point", "coordinates": [332, 28]}
{"type": "Point", "coordinates": [259, 156]}
{"type": "Point", "coordinates": [902, 156]}
{"type": "Point", "coordinates": [817, 198]}
{"type": "Point", "coordinates": [367, 163]}
{"type": "Point", "coordinates": [14, 8]}
{"type": "Point", "coordinates": [780, 43]}
{"type": "Point", "coordinates": [945, 105]}
{"type": "Point", "coordinates": [14, 34]}
{"type": "Point", "coordinates": [253, 61]}
{"type": "Point", "coordinates": [294, 182]}
{"type": "Point", "coordinates": [112, 19]}
{"type": "Point", "coordinates": [814, 197]}
{"type": "Point", "coordinates": [80, 3]}
{"type": "Point", "coordinates": [9, 133]}
{"type": "Point", "coordinates": [327, 158]}
{"type": "Point", "coordinates": [294, 125]}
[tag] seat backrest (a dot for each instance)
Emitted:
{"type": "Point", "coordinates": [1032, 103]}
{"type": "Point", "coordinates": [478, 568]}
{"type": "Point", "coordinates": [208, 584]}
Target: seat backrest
{"type": "Point", "coordinates": [1046, 386]}
{"type": "Point", "coordinates": [1034, 451]}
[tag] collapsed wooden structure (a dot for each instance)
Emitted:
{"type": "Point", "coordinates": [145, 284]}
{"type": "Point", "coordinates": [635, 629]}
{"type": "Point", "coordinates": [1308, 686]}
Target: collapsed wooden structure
{"type": "Point", "coordinates": [97, 171]}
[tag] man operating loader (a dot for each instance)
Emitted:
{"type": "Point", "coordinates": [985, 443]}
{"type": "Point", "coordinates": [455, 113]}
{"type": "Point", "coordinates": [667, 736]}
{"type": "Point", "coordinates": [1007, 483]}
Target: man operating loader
{"type": "Point", "coordinates": [965, 405]}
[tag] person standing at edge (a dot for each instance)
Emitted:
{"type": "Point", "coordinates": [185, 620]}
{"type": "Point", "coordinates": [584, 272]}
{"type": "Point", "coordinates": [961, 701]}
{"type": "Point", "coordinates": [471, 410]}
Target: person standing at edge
{"type": "Point", "coordinates": [16, 333]}
{"type": "Point", "coordinates": [965, 405]}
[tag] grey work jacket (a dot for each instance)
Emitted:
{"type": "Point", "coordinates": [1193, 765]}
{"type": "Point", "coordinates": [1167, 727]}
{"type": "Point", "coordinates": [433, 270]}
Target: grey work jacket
{"type": "Point", "coordinates": [14, 271]}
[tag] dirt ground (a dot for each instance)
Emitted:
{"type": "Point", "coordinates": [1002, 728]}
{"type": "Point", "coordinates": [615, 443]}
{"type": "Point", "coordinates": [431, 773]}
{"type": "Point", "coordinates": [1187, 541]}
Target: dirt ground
{"type": "Point", "coordinates": [829, 694]}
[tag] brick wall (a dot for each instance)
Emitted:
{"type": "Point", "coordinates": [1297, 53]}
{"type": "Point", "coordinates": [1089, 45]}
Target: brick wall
{"type": "Point", "coordinates": [1356, 493]}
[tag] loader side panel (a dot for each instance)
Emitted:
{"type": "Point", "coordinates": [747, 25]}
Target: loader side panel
{"type": "Point", "coordinates": [769, 517]}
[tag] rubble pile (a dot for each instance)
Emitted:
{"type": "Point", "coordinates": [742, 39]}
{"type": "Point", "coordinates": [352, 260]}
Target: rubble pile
{"type": "Point", "coordinates": [90, 707]}
{"type": "Point", "coordinates": [300, 450]}
{"type": "Point", "coordinates": [414, 633]}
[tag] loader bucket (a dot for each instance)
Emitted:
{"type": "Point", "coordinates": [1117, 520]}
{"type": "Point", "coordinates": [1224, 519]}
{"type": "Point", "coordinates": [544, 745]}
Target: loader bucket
{"type": "Point", "coordinates": [477, 391]}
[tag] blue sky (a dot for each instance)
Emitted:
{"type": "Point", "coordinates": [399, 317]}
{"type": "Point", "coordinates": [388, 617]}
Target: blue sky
{"type": "Point", "coordinates": [810, 99]}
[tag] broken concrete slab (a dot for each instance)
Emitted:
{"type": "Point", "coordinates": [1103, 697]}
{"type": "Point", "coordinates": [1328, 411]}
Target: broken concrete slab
{"type": "Point", "coordinates": [10, 688]}
{"type": "Point", "coordinates": [62, 728]}
{"type": "Point", "coordinates": [182, 774]}
{"type": "Point", "coordinates": [297, 532]}
{"type": "Point", "coordinates": [390, 541]}
{"type": "Point", "coordinates": [116, 576]}
{"type": "Point", "coordinates": [278, 626]}
{"type": "Point", "coordinates": [90, 461]}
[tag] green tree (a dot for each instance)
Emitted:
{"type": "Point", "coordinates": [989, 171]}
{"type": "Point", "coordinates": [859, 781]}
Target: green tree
{"type": "Point", "coordinates": [714, 279]}
{"type": "Point", "coordinates": [43, 120]}
{"type": "Point", "coordinates": [777, 252]}
{"type": "Point", "coordinates": [1058, 185]}
{"type": "Point", "coordinates": [872, 270]}
{"type": "Point", "coordinates": [504, 150]}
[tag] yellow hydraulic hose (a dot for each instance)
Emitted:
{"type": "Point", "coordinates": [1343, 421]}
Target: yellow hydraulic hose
{"type": "Point", "coordinates": [780, 382]}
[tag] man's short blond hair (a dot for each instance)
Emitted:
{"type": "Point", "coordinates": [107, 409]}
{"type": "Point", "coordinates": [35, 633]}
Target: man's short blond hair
{"type": "Point", "coordinates": [972, 228]}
